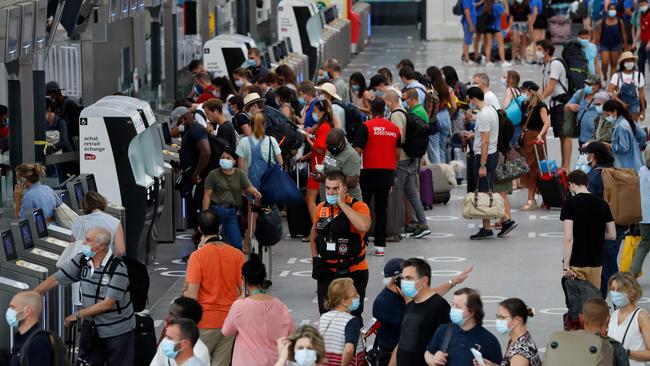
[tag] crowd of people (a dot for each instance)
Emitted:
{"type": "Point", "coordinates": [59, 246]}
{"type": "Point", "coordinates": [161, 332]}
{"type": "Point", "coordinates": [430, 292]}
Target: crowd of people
{"type": "Point", "coordinates": [362, 147]}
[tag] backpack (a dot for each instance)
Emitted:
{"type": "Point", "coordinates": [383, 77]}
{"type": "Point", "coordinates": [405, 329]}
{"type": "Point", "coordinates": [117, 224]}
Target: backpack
{"type": "Point", "coordinates": [58, 356]}
{"type": "Point", "coordinates": [506, 130]}
{"type": "Point", "coordinates": [578, 348]}
{"type": "Point", "coordinates": [575, 64]}
{"type": "Point", "coordinates": [417, 135]}
{"type": "Point", "coordinates": [621, 191]}
{"type": "Point", "coordinates": [353, 118]}
{"type": "Point", "coordinates": [458, 8]}
{"type": "Point", "coordinates": [284, 131]}
{"type": "Point", "coordinates": [547, 9]}
{"type": "Point", "coordinates": [138, 279]}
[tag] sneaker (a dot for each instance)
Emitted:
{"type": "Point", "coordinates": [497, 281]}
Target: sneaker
{"type": "Point", "coordinates": [421, 231]}
{"type": "Point", "coordinates": [482, 234]}
{"type": "Point", "coordinates": [506, 228]}
{"type": "Point", "coordinates": [489, 64]}
{"type": "Point", "coordinates": [377, 252]}
{"type": "Point", "coordinates": [506, 64]}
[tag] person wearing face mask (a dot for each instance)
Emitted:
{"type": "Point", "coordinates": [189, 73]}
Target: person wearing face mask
{"type": "Point", "coordinates": [582, 103]}
{"type": "Point", "coordinates": [105, 298]}
{"type": "Point", "coordinates": [29, 193]}
{"type": "Point", "coordinates": [93, 206]}
{"type": "Point", "coordinates": [242, 78]}
{"type": "Point", "coordinates": [626, 137]}
{"type": "Point", "coordinates": [223, 188]}
{"type": "Point", "coordinates": [602, 128]}
{"type": "Point", "coordinates": [257, 320]}
{"type": "Point", "coordinates": [307, 98]}
{"type": "Point", "coordinates": [23, 315]}
{"type": "Point", "coordinates": [204, 88]}
{"type": "Point", "coordinates": [427, 311]}
{"type": "Point", "coordinates": [519, 11]}
{"type": "Point", "coordinates": [337, 244]}
{"type": "Point", "coordinates": [377, 142]}
{"type": "Point", "coordinates": [56, 130]}
{"type": "Point", "coordinates": [595, 317]}
{"type": "Point", "coordinates": [327, 91]}
{"type": "Point", "coordinates": [598, 157]}
{"type": "Point", "coordinates": [466, 331]}
{"type": "Point", "coordinates": [629, 324]}
{"type": "Point", "coordinates": [627, 86]}
{"type": "Point", "coordinates": [341, 157]}
{"type": "Point", "coordinates": [390, 303]}
{"type": "Point", "coordinates": [641, 23]}
{"type": "Point", "coordinates": [214, 278]}
{"type": "Point", "coordinates": [378, 85]}
{"type": "Point", "coordinates": [512, 316]}
{"type": "Point", "coordinates": [612, 39]}
{"type": "Point", "coordinates": [588, 222]}
{"type": "Point", "coordinates": [340, 329]}
{"type": "Point", "coordinates": [305, 347]}
{"type": "Point", "coordinates": [265, 82]}
{"type": "Point", "coordinates": [590, 51]}
{"type": "Point", "coordinates": [241, 120]}
{"type": "Point", "coordinates": [333, 69]}
{"type": "Point", "coordinates": [254, 62]}
{"type": "Point", "coordinates": [182, 307]}
{"type": "Point", "coordinates": [408, 76]}
{"type": "Point", "coordinates": [360, 95]}
{"type": "Point", "coordinates": [178, 345]}
{"type": "Point", "coordinates": [287, 100]}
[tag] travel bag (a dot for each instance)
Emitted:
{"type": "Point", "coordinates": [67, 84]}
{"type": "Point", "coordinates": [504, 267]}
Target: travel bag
{"type": "Point", "coordinates": [552, 184]}
{"type": "Point", "coordinates": [298, 218]}
{"type": "Point", "coordinates": [426, 188]}
{"type": "Point", "coordinates": [396, 214]}
{"type": "Point", "coordinates": [621, 191]}
{"type": "Point", "coordinates": [578, 349]}
{"type": "Point", "coordinates": [576, 292]}
{"type": "Point", "coordinates": [145, 339]}
{"type": "Point", "coordinates": [441, 185]}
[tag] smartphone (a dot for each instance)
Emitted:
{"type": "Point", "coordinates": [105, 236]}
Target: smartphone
{"type": "Point", "coordinates": [478, 356]}
{"type": "Point", "coordinates": [398, 281]}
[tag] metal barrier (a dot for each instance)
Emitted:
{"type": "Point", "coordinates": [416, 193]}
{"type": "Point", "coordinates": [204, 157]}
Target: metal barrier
{"type": "Point", "coordinates": [63, 64]}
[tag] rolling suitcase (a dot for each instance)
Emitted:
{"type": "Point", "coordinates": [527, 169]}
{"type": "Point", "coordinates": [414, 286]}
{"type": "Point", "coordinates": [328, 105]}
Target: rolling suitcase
{"type": "Point", "coordinates": [396, 214]}
{"type": "Point", "coordinates": [145, 339]}
{"type": "Point", "coordinates": [552, 184]}
{"type": "Point", "coordinates": [441, 186]}
{"type": "Point", "coordinates": [298, 218]}
{"type": "Point", "coordinates": [426, 188]}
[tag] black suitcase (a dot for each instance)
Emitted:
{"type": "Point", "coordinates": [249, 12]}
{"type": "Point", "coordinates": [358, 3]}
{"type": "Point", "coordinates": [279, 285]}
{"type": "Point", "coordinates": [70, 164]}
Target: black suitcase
{"type": "Point", "coordinates": [145, 340]}
{"type": "Point", "coordinates": [298, 218]}
{"type": "Point", "coordinates": [471, 181]}
{"type": "Point", "coordinates": [553, 188]}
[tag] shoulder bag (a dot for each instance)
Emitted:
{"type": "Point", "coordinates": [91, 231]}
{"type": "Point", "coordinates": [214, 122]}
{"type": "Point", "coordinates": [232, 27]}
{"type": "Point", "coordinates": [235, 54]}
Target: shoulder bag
{"type": "Point", "coordinates": [513, 167]}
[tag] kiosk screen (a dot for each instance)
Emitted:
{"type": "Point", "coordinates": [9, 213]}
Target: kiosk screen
{"type": "Point", "coordinates": [234, 57]}
{"type": "Point", "coordinates": [92, 184]}
{"type": "Point", "coordinates": [9, 246]}
{"type": "Point", "coordinates": [26, 234]}
{"type": "Point", "coordinates": [39, 219]}
{"type": "Point", "coordinates": [79, 193]}
{"type": "Point", "coordinates": [65, 197]}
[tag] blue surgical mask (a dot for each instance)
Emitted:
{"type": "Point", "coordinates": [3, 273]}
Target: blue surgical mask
{"type": "Point", "coordinates": [356, 88]}
{"type": "Point", "coordinates": [504, 82]}
{"type": "Point", "coordinates": [379, 93]}
{"type": "Point", "coordinates": [619, 299]}
{"type": "Point", "coordinates": [405, 105]}
{"type": "Point", "coordinates": [583, 163]}
{"type": "Point", "coordinates": [456, 316]}
{"type": "Point", "coordinates": [302, 101]}
{"type": "Point", "coordinates": [332, 199]}
{"type": "Point", "coordinates": [611, 13]}
{"type": "Point", "coordinates": [584, 42]}
{"type": "Point", "coordinates": [502, 326]}
{"type": "Point", "coordinates": [599, 109]}
{"type": "Point", "coordinates": [87, 251]}
{"type": "Point", "coordinates": [248, 63]}
{"type": "Point", "coordinates": [314, 116]}
{"type": "Point", "coordinates": [408, 288]}
{"type": "Point", "coordinates": [12, 317]}
{"type": "Point", "coordinates": [588, 89]}
{"type": "Point", "coordinates": [198, 89]}
{"type": "Point", "coordinates": [386, 111]}
{"type": "Point", "coordinates": [525, 97]}
{"type": "Point", "coordinates": [226, 164]}
{"type": "Point", "coordinates": [355, 304]}
{"type": "Point", "coordinates": [305, 357]}
{"type": "Point", "coordinates": [167, 346]}
{"type": "Point", "coordinates": [326, 75]}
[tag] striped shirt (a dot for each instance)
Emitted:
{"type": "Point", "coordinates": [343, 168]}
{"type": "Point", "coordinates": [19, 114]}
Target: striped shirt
{"type": "Point", "coordinates": [117, 321]}
{"type": "Point", "coordinates": [339, 328]}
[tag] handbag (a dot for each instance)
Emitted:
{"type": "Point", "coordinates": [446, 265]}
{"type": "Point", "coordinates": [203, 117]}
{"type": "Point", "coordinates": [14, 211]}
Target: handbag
{"type": "Point", "coordinates": [483, 205]}
{"type": "Point", "coordinates": [277, 187]}
{"type": "Point", "coordinates": [513, 167]}
{"type": "Point", "coordinates": [514, 110]}
{"type": "Point", "coordinates": [269, 226]}
{"type": "Point", "coordinates": [65, 216]}
{"type": "Point", "coordinates": [524, 128]}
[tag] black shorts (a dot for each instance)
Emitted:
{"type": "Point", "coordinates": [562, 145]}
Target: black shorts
{"type": "Point", "coordinates": [540, 22]}
{"type": "Point", "coordinates": [557, 120]}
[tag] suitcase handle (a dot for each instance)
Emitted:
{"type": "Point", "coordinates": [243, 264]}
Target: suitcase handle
{"type": "Point", "coordinates": [536, 144]}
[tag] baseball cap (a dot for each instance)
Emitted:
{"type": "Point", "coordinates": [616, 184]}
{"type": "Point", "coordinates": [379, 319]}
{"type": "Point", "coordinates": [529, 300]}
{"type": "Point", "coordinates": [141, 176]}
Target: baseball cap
{"type": "Point", "coordinates": [52, 86]}
{"type": "Point", "coordinates": [529, 85]}
{"type": "Point", "coordinates": [592, 80]}
{"type": "Point", "coordinates": [393, 267]}
{"type": "Point", "coordinates": [178, 113]}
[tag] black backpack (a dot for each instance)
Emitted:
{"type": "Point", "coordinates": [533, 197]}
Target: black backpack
{"type": "Point", "coordinates": [576, 65]}
{"type": "Point", "coordinates": [138, 279]}
{"type": "Point", "coordinates": [547, 9]}
{"type": "Point", "coordinates": [417, 135]}
{"type": "Point", "coordinates": [58, 356]}
{"type": "Point", "coordinates": [284, 131]}
{"type": "Point", "coordinates": [458, 8]}
{"type": "Point", "coordinates": [353, 118]}
{"type": "Point", "coordinates": [506, 130]}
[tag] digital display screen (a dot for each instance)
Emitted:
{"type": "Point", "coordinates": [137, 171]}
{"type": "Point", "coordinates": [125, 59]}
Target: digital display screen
{"type": "Point", "coordinates": [283, 50]}
{"type": "Point", "coordinates": [287, 41]}
{"type": "Point", "coordinates": [26, 235]}
{"type": "Point", "coordinates": [41, 227]}
{"type": "Point", "coordinates": [92, 185]}
{"type": "Point", "coordinates": [12, 36]}
{"type": "Point", "coordinates": [9, 246]}
{"type": "Point", "coordinates": [276, 54]}
{"type": "Point", "coordinates": [267, 60]}
{"type": "Point", "coordinates": [79, 192]}
{"type": "Point", "coordinates": [167, 135]}
{"type": "Point", "coordinates": [234, 57]}
{"type": "Point", "coordinates": [65, 197]}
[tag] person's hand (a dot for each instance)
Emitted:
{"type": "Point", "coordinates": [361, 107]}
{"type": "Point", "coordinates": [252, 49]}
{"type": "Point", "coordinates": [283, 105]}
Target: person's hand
{"type": "Point", "coordinates": [440, 358]}
{"type": "Point", "coordinates": [283, 348]}
{"type": "Point", "coordinates": [256, 194]}
{"type": "Point", "coordinates": [472, 29]}
{"type": "Point", "coordinates": [539, 140]}
{"type": "Point", "coordinates": [196, 179]}
{"type": "Point", "coordinates": [19, 188]}
{"type": "Point", "coordinates": [319, 177]}
{"type": "Point", "coordinates": [343, 191]}
{"type": "Point", "coordinates": [462, 276]}
{"type": "Point", "coordinates": [482, 172]}
{"type": "Point", "coordinates": [573, 107]}
{"type": "Point", "coordinates": [70, 321]}
{"type": "Point", "coordinates": [569, 273]}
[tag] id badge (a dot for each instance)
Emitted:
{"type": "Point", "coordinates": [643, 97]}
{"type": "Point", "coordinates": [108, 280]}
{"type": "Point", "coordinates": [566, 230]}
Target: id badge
{"type": "Point", "coordinates": [330, 246]}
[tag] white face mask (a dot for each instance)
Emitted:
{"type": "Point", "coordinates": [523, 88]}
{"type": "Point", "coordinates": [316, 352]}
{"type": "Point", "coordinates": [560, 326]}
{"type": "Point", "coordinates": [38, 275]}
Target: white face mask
{"type": "Point", "coordinates": [181, 128]}
{"type": "Point", "coordinates": [539, 54]}
{"type": "Point", "coordinates": [387, 281]}
{"type": "Point", "coordinates": [643, 8]}
{"type": "Point", "coordinates": [629, 65]}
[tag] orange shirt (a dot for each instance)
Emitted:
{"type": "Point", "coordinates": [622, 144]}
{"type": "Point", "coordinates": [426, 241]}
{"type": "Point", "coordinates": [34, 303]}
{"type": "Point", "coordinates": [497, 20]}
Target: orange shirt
{"type": "Point", "coordinates": [359, 207]}
{"type": "Point", "coordinates": [216, 268]}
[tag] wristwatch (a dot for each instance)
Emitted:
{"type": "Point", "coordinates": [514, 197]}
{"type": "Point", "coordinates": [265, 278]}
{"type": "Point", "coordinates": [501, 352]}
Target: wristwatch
{"type": "Point", "coordinates": [76, 315]}
{"type": "Point", "coordinates": [482, 166]}
{"type": "Point", "coordinates": [451, 282]}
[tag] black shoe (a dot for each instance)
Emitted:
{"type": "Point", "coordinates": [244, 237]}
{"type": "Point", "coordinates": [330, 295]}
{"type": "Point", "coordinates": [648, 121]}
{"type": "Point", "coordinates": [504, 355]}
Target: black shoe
{"type": "Point", "coordinates": [506, 228]}
{"type": "Point", "coordinates": [482, 234]}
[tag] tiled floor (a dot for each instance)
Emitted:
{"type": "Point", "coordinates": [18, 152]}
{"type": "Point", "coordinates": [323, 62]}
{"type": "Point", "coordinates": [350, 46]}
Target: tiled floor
{"type": "Point", "coordinates": [525, 265]}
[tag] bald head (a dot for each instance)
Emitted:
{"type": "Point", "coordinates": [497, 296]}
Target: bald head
{"type": "Point", "coordinates": [390, 95]}
{"type": "Point", "coordinates": [28, 306]}
{"type": "Point", "coordinates": [335, 136]}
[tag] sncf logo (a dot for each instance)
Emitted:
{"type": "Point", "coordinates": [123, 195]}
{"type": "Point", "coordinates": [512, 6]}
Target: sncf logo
{"type": "Point", "coordinates": [90, 156]}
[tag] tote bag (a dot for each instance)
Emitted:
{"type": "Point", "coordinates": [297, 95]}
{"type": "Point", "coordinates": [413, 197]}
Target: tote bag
{"type": "Point", "coordinates": [277, 187]}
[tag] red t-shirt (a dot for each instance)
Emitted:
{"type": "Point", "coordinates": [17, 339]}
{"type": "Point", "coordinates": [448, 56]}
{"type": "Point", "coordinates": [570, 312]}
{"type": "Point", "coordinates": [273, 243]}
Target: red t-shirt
{"type": "Point", "coordinates": [207, 94]}
{"type": "Point", "coordinates": [644, 21]}
{"type": "Point", "coordinates": [378, 138]}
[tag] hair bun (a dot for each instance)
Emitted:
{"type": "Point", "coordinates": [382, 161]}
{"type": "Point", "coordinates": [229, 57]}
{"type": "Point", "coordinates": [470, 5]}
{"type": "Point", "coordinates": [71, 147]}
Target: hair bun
{"type": "Point", "coordinates": [531, 311]}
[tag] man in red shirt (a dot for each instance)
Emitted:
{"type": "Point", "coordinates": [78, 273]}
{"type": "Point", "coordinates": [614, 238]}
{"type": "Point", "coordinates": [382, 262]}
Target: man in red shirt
{"type": "Point", "coordinates": [377, 141]}
{"type": "Point", "coordinates": [203, 85]}
{"type": "Point", "coordinates": [644, 25]}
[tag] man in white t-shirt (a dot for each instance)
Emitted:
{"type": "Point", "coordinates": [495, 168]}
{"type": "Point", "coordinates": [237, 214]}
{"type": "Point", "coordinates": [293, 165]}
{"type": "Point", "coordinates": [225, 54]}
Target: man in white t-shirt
{"type": "Point", "coordinates": [482, 80]}
{"type": "Point", "coordinates": [555, 90]}
{"type": "Point", "coordinates": [486, 137]}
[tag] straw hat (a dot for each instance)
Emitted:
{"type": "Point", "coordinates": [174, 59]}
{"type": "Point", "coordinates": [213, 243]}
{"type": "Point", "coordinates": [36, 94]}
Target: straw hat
{"type": "Point", "coordinates": [252, 98]}
{"type": "Point", "coordinates": [627, 55]}
{"type": "Point", "coordinates": [330, 89]}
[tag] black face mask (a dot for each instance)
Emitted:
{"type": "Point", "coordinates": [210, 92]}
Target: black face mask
{"type": "Point", "coordinates": [335, 150]}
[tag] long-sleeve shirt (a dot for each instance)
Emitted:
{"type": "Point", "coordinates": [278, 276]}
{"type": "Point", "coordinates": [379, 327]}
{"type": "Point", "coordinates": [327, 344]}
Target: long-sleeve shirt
{"type": "Point", "coordinates": [625, 146]}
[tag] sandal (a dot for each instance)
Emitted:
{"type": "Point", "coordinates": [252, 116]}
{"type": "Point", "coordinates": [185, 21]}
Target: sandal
{"type": "Point", "coordinates": [529, 205]}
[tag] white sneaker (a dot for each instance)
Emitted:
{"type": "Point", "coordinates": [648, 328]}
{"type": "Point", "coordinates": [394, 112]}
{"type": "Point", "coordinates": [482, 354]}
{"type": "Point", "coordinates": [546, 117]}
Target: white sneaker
{"type": "Point", "coordinates": [377, 252]}
{"type": "Point", "coordinates": [489, 64]}
{"type": "Point", "coordinates": [506, 64]}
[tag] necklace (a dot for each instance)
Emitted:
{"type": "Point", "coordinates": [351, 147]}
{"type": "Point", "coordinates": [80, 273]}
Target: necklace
{"type": "Point", "coordinates": [255, 292]}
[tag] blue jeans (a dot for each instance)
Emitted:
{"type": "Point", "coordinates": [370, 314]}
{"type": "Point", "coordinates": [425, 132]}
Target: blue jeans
{"type": "Point", "coordinates": [229, 225]}
{"type": "Point", "coordinates": [610, 256]}
{"type": "Point", "coordinates": [437, 150]}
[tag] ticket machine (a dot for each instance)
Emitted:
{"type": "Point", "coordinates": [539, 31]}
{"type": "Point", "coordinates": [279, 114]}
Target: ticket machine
{"type": "Point", "coordinates": [43, 238]}
{"type": "Point", "coordinates": [299, 21]}
{"type": "Point", "coordinates": [170, 153]}
{"type": "Point", "coordinates": [111, 149]}
{"type": "Point", "coordinates": [222, 56]}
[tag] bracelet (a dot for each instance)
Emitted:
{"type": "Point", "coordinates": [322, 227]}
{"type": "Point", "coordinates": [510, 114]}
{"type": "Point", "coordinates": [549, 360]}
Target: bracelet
{"type": "Point", "coordinates": [76, 315]}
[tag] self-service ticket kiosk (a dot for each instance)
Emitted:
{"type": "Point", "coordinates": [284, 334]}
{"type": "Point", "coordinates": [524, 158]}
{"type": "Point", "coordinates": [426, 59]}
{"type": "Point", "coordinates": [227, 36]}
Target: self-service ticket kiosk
{"type": "Point", "coordinates": [294, 23]}
{"type": "Point", "coordinates": [170, 154]}
{"type": "Point", "coordinates": [76, 193]}
{"type": "Point", "coordinates": [43, 238]}
{"type": "Point", "coordinates": [110, 148]}
{"type": "Point", "coordinates": [222, 56]}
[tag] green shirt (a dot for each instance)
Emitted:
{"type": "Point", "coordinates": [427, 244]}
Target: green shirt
{"type": "Point", "coordinates": [419, 111]}
{"type": "Point", "coordinates": [227, 189]}
{"type": "Point", "coordinates": [347, 162]}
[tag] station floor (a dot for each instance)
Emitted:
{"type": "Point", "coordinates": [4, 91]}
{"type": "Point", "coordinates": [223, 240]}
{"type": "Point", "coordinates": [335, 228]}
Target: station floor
{"type": "Point", "coordinates": [527, 264]}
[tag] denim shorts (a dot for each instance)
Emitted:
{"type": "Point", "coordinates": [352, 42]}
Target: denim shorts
{"type": "Point", "coordinates": [520, 27]}
{"type": "Point", "coordinates": [613, 48]}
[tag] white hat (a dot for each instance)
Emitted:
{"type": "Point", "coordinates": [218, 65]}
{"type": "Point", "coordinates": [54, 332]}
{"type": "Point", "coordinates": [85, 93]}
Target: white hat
{"type": "Point", "coordinates": [330, 89]}
{"type": "Point", "coordinates": [252, 98]}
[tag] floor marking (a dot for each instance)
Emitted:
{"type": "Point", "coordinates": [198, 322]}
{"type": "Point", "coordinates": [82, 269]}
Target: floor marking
{"type": "Point", "coordinates": [301, 274]}
{"type": "Point", "coordinates": [284, 273]}
{"type": "Point", "coordinates": [445, 273]}
{"type": "Point", "coordinates": [471, 226]}
{"type": "Point", "coordinates": [292, 260]}
{"type": "Point", "coordinates": [554, 311]}
{"type": "Point", "coordinates": [442, 218]}
{"type": "Point", "coordinates": [552, 235]}
{"type": "Point", "coordinates": [173, 273]}
{"type": "Point", "coordinates": [493, 298]}
{"type": "Point", "coordinates": [550, 217]}
{"type": "Point", "coordinates": [179, 261]}
{"type": "Point", "coordinates": [448, 260]}
{"type": "Point", "coordinates": [160, 269]}
{"type": "Point", "coordinates": [531, 235]}
{"type": "Point", "coordinates": [532, 217]}
{"type": "Point", "coordinates": [439, 235]}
